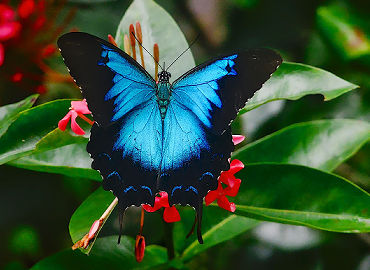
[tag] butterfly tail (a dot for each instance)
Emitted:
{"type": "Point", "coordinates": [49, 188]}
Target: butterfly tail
{"type": "Point", "coordinates": [198, 216]}
{"type": "Point", "coordinates": [192, 227]}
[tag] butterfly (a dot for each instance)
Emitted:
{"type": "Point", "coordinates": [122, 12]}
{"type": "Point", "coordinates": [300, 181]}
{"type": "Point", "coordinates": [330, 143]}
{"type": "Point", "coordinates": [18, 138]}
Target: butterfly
{"type": "Point", "coordinates": [153, 136]}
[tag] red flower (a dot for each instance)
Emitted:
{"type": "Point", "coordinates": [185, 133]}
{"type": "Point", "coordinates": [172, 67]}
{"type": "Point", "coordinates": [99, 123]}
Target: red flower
{"type": "Point", "coordinates": [232, 183]}
{"type": "Point", "coordinates": [139, 248]}
{"type": "Point", "coordinates": [228, 177]}
{"type": "Point", "coordinates": [1, 54]}
{"type": "Point", "coordinates": [41, 89]}
{"type": "Point", "coordinates": [170, 214]}
{"type": "Point", "coordinates": [39, 23]}
{"type": "Point", "coordinates": [48, 50]}
{"type": "Point", "coordinates": [238, 139]}
{"type": "Point", "coordinates": [28, 31]}
{"type": "Point", "coordinates": [9, 28]}
{"type": "Point", "coordinates": [16, 77]}
{"type": "Point", "coordinates": [232, 187]}
{"type": "Point", "coordinates": [220, 195]}
{"type": "Point", "coordinates": [6, 13]}
{"type": "Point", "coordinates": [78, 108]}
{"type": "Point", "coordinates": [26, 8]}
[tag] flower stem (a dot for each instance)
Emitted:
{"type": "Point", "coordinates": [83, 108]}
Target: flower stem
{"type": "Point", "coordinates": [168, 230]}
{"type": "Point", "coordinates": [141, 221]}
{"type": "Point", "coordinates": [85, 118]}
{"type": "Point", "coordinates": [109, 209]}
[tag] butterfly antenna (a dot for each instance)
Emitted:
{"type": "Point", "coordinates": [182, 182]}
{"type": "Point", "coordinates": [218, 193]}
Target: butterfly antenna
{"type": "Point", "coordinates": [191, 44]}
{"type": "Point", "coordinates": [145, 49]}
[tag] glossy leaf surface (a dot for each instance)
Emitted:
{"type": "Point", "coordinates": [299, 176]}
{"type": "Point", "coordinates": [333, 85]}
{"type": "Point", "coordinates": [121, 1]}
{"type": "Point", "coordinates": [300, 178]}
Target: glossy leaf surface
{"type": "Point", "coordinates": [302, 196]}
{"type": "Point", "coordinates": [319, 144]}
{"type": "Point", "coordinates": [9, 113]}
{"type": "Point", "coordinates": [292, 81]}
{"type": "Point", "coordinates": [218, 225]}
{"type": "Point", "coordinates": [105, 255]}
{"type": "Point", "coordinates": [70, 160]}
{"type": "Point", "coordinates": [29, 128]}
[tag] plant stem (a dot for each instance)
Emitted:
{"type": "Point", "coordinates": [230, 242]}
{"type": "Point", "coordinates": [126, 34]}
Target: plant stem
{"type": "Point", "coordinates": [109, 210]}
{"type": "Point", "coordinates": [142, 221]}
{"type": "Point", "coordinates": [168, 230]}
{"type": "Point", "coordinates": [85, 118]}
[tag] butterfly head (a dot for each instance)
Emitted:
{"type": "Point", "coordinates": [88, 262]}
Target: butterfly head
{"type": "Point", "coordinates": [164, 76]}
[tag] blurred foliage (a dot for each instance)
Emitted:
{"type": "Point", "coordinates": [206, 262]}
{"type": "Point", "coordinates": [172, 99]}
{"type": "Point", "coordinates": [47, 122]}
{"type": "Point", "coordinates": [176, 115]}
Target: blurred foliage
{"type": "Point", "coordinates": [37, 207]}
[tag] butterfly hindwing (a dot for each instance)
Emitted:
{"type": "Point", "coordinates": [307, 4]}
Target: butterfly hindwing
{"type": "Point", "coordinates": [126, 139]}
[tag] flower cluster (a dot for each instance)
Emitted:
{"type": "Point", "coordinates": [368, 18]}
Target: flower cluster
{"type": "Point", "coordinates": [232, 187]}
{"type": "Point", "coordinates": [228, 179]}
{"type": "Point", "coordinates": [28, 35]}
{"type": "Point", "coordinates": [9, 27]}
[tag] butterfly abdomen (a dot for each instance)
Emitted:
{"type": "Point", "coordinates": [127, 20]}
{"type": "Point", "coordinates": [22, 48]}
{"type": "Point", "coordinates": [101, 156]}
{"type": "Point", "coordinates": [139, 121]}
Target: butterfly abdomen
{"type": "Point", "coordinates": [163, 95]}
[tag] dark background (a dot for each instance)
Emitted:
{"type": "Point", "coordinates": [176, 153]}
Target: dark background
{"type": "Point", "coordinates": [35, 208]}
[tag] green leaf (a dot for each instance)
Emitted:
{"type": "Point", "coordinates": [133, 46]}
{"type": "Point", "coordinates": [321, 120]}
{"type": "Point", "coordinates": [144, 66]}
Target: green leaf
{"type": "Point", "coordinates": [320, 144]}
{"type": "Point", "coordinates": [218, 225]}
{"type": "Point", "coordinates": [29, 128]}
{"type": "Point", "coordinates": [293, 81]}
{"type": "Point", "coordinates": [60, 152]}
{"type": "Point", "coordinates": [106, 255]}
{"type": "Point", "coordinates": [301, 195]}
{"type": "Point", "coordinates": [70, 160]}
{"type": "Point", "coordinates": [157, 27]}
{"type": "Point", "coordinates": [89, 211]}
{"type": "Point", "coordinates": [58, 138]}
{"type": "Point", "coordinates": [342, 31]}
{"type": "Point", "coordinates": [10, 113]}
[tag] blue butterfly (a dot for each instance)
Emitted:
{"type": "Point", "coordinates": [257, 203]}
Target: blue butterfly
{"type": "Point", "coordinates": [173, 137]}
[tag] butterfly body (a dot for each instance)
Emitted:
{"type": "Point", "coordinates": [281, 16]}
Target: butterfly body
{"type": "Point", "coordinates": [151, 137]}
{"type": "Point", "coordinates": [163, 95]}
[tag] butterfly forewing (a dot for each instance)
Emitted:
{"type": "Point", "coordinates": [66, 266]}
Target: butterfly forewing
{"type": "Point", "coordinates": [126, 139]}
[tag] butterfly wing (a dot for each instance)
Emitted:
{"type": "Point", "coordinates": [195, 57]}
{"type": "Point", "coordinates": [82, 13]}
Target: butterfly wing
{"type": "Point", "coordinates": [197, 135]}
{"type": "Point", "coordinates": [126, 139]}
